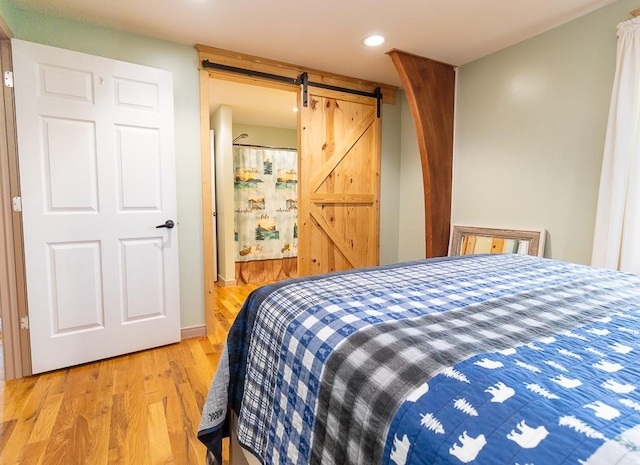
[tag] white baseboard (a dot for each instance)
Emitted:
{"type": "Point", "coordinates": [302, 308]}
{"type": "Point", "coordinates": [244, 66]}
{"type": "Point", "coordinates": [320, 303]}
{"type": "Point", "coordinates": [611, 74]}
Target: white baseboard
{"type": "Point", "coordinates": [226, 283]}
{"type": "Point", "coordinates": [193, 331]}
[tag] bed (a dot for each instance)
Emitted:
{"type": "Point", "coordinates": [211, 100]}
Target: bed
{"type": "Point", "coordinates": [483, 359]}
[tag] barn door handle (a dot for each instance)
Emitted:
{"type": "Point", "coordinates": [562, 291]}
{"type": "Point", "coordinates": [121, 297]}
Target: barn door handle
{"type": "Point", "coordinates": [167, 224]}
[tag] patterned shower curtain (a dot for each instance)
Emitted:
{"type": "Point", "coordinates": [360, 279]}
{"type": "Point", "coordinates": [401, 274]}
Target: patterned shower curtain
{"type": "Point", "coordinates": [266, 203]}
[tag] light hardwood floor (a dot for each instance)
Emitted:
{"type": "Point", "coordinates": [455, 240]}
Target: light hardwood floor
{"type": "Point", "coordinates": [138, 409]}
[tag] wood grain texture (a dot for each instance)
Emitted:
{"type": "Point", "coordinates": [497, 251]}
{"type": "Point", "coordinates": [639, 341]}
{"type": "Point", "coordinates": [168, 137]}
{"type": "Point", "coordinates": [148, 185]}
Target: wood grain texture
{"type": "Point", "coordinates": [430, 89]}
{"type": "Point", "coordinates": [265, 271]}
{"type": "Point", "coordinates": [208, 236]}
{"type": "Point", "coordinates": [13, 290]}
{"type": "Point", "coordinates": [280, 68]}
{"type": "Point", "coordinates": [464, 238]}
{"type": "Point", "coordinates": [227, 303]}
{"type": "Point", "coordinates": [339, 183]}
{"type": "Point", "coordinates": [138, 409]}
{"type": "Point", "coordinates": [265, 65]}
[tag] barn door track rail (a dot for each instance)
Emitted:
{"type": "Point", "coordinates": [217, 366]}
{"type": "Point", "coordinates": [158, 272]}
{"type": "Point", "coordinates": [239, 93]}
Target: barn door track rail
{"type": "Point", "coordinates": [302, 80]}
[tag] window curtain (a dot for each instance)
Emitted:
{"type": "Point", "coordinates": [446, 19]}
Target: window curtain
{"type": "Point", "coordinates": [266, 207]}
{"type": "Point", "coordinates": [616, 242]}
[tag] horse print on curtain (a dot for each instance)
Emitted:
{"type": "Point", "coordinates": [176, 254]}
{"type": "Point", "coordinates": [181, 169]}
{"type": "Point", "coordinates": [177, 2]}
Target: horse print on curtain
{"type": "Point", "coordinates": [266, 203]}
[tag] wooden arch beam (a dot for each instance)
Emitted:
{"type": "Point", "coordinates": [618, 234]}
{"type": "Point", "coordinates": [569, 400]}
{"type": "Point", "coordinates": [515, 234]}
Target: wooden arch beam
{"type": "Point", "coordinates": [430, 89]}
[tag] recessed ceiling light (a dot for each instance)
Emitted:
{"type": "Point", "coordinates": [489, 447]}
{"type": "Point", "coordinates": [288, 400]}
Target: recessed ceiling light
{"type": "Point", "coordinates": [373, 40]}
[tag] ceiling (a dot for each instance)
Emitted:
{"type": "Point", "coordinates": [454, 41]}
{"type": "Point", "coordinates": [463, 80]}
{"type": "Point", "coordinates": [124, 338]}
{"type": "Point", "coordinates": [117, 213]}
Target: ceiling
{"type": "Point", "coordinates": [327, 34]}
{"type": "Point", "coordinates": [258, 106]}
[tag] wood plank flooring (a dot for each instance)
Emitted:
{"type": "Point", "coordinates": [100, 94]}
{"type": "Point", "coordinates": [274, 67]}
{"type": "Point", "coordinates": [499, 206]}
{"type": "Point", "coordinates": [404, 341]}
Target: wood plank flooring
{"type": "Point", "coordinates": [138, 409]}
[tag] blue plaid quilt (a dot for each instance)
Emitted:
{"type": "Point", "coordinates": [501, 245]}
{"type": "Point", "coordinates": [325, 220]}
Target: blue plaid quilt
{"type": "Point", "coordinates": [481, 359]}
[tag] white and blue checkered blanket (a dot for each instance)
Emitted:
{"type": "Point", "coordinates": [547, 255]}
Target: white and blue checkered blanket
{"type": "Point", "coordinates": [481, 359]}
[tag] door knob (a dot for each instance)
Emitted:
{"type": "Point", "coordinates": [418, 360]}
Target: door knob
{"type": "Point", "coordinates": [167, 224]}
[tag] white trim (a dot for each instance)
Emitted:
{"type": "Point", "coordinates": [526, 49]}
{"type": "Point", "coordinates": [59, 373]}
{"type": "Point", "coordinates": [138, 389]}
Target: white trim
{"type": "Point", "coordinates": [226, 283]}
{"type": "Point", "coordinates": [193, 331]}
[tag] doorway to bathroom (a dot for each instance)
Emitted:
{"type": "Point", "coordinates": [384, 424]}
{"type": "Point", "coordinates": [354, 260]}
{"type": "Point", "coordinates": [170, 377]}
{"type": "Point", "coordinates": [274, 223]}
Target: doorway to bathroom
{"type": "Point", "coordinates": [254, 165]}
{"type": "Point", "coordinates": [339, 143]}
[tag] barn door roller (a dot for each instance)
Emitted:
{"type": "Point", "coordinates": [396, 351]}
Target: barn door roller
{"type": "Point", "coordinates": [302, 80]}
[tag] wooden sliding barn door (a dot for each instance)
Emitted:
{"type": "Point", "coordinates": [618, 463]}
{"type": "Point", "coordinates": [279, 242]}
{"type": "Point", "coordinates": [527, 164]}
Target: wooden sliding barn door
{"type": "Point", "coordinates": [339, 182]}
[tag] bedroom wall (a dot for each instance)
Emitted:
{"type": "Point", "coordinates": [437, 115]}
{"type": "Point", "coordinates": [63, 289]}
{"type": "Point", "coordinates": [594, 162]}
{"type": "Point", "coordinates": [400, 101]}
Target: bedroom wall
{"type": "Point", "coordinates": [530, 128]}
{"type": "Point", "coordinates": [390, 186]}
{"type": "Point", "coordinates": [182, 61]}
{"type": "Point", "coordinates": [263, 135]}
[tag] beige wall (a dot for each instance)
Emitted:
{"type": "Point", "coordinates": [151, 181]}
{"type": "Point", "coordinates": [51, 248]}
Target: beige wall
{"type": "Point", "coordinates": [529, 133]}
{"type": "Point", "coordinates": [530, 124]}
{"type": "Point", "coordinates": [262, 135]}
{"type": "Point", "coordinates": [530, 127]}
{"type": "Point", "coordinates": [390, 182]}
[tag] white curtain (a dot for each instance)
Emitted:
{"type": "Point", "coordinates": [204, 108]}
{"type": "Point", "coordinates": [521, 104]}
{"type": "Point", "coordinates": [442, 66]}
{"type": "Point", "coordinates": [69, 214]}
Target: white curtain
{"type": "Point", "coordinates": [616, 242]}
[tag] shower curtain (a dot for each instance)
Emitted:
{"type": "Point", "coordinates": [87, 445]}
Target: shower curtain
{"type": "Point", "coordinates": [266, 203]}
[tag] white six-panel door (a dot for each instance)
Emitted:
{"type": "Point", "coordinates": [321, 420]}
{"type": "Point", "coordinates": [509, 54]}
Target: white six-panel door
{"type": "Point", "coordinates": [97, 174]}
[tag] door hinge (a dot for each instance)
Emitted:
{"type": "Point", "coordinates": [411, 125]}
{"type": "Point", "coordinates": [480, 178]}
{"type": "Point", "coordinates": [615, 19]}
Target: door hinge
{"type": "Point", "coordinates": [24, 322]}
{"type": "Point", "coordinates": [17, 204]}
{"type": "Point", "coordinates": [8, 78]}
